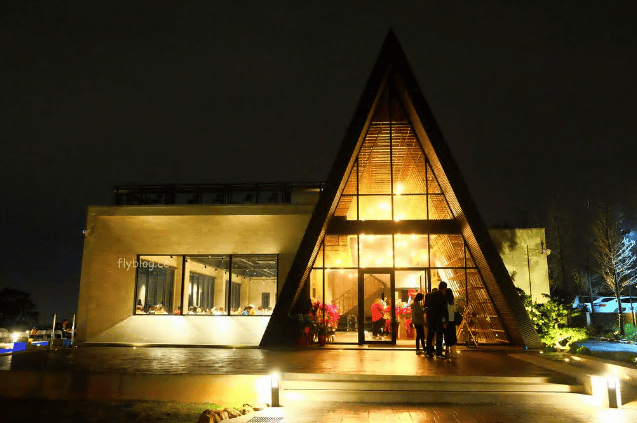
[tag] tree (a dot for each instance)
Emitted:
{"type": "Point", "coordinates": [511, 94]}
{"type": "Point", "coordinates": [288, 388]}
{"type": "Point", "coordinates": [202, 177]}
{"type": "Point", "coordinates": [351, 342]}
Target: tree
{"type": "Point", "coordinates": [588, 284]}
{"type": "Point", "coordinates": [614, 254]}
{"type": "Point", "coordinates": [17, 309]}
{"type": "Point", "coordinates": [558, 224]}
{"type": "Point", "coordinates": [550, 319]}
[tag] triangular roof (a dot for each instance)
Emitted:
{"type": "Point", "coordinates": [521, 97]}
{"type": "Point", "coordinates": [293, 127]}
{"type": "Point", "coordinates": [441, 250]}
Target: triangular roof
{"type": "Point", "coordinates": [392, 63]}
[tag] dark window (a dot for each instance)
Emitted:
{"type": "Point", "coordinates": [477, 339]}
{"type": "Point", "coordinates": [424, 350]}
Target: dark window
{"type": "Point", "coordinates": [155, 288]}
{"type": "Point", "coordinates": [235, 297]}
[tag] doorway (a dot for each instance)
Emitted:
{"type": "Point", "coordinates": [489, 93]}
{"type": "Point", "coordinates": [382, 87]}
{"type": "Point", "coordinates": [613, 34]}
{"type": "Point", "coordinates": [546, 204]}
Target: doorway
{"type": "Point", "coordinates": [376, 293]}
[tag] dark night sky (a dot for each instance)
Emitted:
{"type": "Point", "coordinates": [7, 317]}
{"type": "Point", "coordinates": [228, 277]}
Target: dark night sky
{"type": "Point", "coordinates": [536, 102]}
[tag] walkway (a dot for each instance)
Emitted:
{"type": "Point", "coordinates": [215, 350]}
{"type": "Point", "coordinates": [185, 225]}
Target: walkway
{"type": "Point", "coordinates": [354, 360]}
{"type": "Point", "coordinates": [227, 361]}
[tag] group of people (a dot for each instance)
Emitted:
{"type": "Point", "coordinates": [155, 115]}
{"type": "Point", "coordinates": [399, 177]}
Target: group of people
{"type": "Point", "coordinates": [437, 314]}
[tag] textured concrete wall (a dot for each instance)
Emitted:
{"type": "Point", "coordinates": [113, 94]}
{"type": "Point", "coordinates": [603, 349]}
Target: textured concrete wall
{"type": "Point", "coordinates": [107, 288]}
{"type": "Point", "coordinates": [221, 389]}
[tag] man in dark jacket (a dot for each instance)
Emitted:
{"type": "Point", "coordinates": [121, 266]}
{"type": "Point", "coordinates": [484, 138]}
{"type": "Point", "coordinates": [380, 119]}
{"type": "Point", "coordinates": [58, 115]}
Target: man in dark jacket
{"type": "Point", "coordinates": [436, 314]}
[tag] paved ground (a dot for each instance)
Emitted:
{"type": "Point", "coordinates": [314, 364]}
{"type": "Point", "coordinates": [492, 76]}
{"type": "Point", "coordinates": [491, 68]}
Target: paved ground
{"type": "Point", "coordinates": [494, 362]}
{"type": "Point", "coordinates": [75, 411]}
{"type": "Point", "coordinates": [357, 413]}
{"type": "Point", "coordinates": [481, 361]}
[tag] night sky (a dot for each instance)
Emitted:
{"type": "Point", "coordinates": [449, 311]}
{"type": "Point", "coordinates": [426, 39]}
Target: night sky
{"type": "Point", "coordinates": [536, 102]}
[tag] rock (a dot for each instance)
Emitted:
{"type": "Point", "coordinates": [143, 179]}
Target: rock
{"type": "Point", "coordinates": [232, 413]}
{"type": "Point", "coordinates": [246, 409]}
{"type": "Point", "coordinates": [257, 406]}
{"type": "Point", "coordinates": [209, 416]}
{"type": "Point", "coordinates": [223, 414]}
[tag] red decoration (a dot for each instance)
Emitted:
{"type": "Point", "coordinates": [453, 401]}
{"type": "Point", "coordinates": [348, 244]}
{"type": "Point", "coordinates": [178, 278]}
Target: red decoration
{"type": "Point", "coordinates": [332, 314]}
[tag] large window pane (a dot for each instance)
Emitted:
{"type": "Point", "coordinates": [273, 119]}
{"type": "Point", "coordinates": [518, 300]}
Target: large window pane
{"type": "Point", "coordinates": [375, 207]}
{"type": "Point", "coordinates": [438, 208]}
{"type": "Point", "coordinates": [254, 279]}
{"type": "Point", "coordinates": [156, 287]}
{"type": "Point", "coordinates": [205, 284]}
{"type": "Point", "coordinates": [376, 251]}
{"type": "Point", "coordinates": [410, 207]}
{"type": "Point", "coordinates": [347, 207]}
{"type": "Point", "coordinates": [411, 250]}
{"type": "Point", "coordinates": [341, 251]}
{"type": "Point", "coordinates": [409, 281]}
{"type": "Point", "coordinates": [341, 309]}
{"type": "Point", "coordinates": [316, 285]}
{"type": "Point", "coordinates": [374, 168]}
{"type": "Point", "coordinates": [447, 251]}
{"type": "Point", "coordinates": [408, 162]}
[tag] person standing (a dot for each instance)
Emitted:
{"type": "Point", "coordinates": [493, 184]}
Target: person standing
{"type": "Point", "coordinates": [377, 317]}
{"type": "Point", "coordinates": [450, 330]}
{"type": "Point", "coordinates": [418, 320]}
{"type": "Point", "coordinates": [436, 314]}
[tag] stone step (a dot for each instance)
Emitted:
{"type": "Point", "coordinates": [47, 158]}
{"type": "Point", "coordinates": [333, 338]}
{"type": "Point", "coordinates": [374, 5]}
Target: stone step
{"type": "Point", "coordinates": [420, 397]}
{"type": "Point", "coordinates": [426, 386]}
{"type": "Point", "coordinates": [425, 389]}
{"type": "Point", "coordinates": [320, 377]}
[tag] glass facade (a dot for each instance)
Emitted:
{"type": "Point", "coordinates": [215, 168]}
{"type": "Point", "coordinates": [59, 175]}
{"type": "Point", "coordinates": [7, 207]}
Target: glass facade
{"type": "Point", "coordinates": [213, 285]}
{"type": "Point", "coordinates": [392, 181]}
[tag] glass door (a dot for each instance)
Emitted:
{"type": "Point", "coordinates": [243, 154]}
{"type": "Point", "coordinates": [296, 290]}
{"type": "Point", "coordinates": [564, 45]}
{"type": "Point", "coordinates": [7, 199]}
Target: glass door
{"type": "Point", "coordinates": [376, 292]}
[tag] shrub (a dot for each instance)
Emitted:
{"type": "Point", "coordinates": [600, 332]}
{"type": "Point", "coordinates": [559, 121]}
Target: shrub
{"type": "Point", "coordinates": [550, 320]}
{"type": "Point", "coordinates": [630, 332]}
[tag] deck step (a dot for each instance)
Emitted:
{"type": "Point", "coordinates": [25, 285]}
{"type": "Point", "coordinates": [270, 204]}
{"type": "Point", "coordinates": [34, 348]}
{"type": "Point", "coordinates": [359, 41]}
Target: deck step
{"type": "Point", "coordinates": [424, 389]}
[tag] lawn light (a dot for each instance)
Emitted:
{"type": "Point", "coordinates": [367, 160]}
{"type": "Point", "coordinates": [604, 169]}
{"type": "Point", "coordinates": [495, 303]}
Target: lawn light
{"type": "Point", "coordinates": [274, 378]}
{"type": "Point", "coordinates": [614, 393]}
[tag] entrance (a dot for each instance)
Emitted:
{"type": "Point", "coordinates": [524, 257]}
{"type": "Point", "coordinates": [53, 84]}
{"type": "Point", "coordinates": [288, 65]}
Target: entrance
{"type": "Point", "coordinates": [375, 317]}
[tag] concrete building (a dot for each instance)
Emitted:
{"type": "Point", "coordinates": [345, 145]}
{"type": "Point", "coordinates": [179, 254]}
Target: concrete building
{"type": "Point", "coordinates": [394, 217]}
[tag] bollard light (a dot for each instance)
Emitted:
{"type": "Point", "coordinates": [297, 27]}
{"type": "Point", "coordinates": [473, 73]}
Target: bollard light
{"type": "Point", "coordinates": [274, 378]}
{"type": "Point", "coordinates": [614, 393]}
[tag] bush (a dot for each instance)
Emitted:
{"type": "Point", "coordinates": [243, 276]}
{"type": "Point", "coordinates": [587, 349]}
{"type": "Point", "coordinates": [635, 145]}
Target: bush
{"type": "Point", "coordinates": [630, 332]}
{"type": "Point", "coordinates": [580, 350]}
{"type": "Point", "coordinates": [550, 320]}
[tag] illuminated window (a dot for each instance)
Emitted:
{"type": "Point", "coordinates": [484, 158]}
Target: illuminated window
{"type": "Point", "coordinates": [155, 286]}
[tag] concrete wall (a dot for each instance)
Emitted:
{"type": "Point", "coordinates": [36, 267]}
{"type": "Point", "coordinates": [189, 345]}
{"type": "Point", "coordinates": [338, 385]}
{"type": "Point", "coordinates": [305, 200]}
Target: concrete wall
{"type": "Point", "coordinates": [107, 288]}
{"type": "Point", "coordinates": [523, 250]}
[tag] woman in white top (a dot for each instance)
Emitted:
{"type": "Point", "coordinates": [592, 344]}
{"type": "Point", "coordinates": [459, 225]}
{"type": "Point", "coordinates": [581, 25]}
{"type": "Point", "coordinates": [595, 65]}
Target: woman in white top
{"type": "Point", "coordinates": [450, 328]}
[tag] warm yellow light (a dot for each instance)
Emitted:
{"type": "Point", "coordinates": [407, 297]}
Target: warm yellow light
{"type": "Point", "coordinates": [413, 236]}
{"type": "Point", "coordinates": [399, 189]}
{"type": "Point", "coordinates": [275, 379]}
{"type": "Point", "coordinates": [338, 261]}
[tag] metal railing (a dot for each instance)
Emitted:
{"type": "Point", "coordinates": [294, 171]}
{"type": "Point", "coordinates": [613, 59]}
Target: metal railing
{"type": "Point", "coordinates": [257, 193]}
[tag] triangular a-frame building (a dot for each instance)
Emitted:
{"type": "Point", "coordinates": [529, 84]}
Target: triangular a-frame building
{"type": "Point", "coordinates": [395, 213]}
